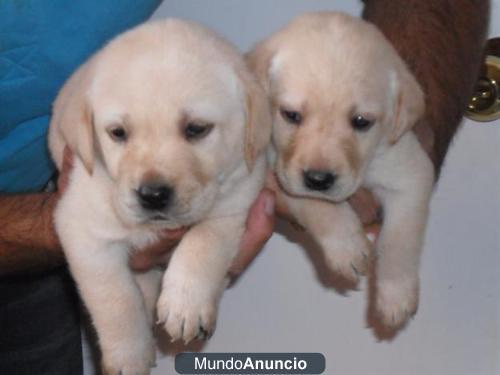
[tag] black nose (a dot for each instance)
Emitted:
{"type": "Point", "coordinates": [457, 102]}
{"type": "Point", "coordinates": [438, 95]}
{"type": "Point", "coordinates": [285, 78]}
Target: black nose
{"type": "Point", "coordinates": [154, 196]}
{"type": "Point", "coordinates": [318, 180]}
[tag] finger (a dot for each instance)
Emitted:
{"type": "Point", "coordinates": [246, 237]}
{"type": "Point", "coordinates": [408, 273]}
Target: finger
{"type": "Point", "coordinates": [141, 261]}
{"type": "Point", "coordinates": [260, 224]}
{"type": "Point", "coordinates": [271, 181]}
{"type": "Point", "coordinates": [67, 166]}
{"type": "Point", "coordinates": [161, 247]}
{"type": "Point", "coordinates": [67, 159]}
{"type": "Point", "coordinates": [366, 206]}
{"type": "Point", "coordinates": [155, 253]}
{"type": "Point", "coordinates": [281, 207]}
{"type": "Point", "coordinates": [372, 232]}
{"type": "Point", "coordinates": [174, 234]}
{"type": "Point", "coordinates": [152, 255]}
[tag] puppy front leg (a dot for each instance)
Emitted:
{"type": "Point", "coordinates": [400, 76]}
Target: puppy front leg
{"type": "Point", "coordinates": [399, 248]}
{"type": "Point", "coordinates": [196, 277]}
{"type": "Point", "coordinates": [116, 306]}
{"type": "Point", "coordinates": [339, 232]}
{"type": "Point", "coordinates": [149, 283]}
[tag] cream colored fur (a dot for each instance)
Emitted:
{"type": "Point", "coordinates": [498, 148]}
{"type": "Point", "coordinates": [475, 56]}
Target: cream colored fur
{"type": "Point", "coordinates": [152, 81]}
{"type": "Point", "coordinates": [330, 67]}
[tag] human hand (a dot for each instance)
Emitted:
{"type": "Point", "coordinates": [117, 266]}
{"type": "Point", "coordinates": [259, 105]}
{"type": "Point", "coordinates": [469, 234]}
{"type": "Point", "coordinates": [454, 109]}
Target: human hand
{"type": "Point", "coordinates": [363, 202]}
{"type": "Point", "coordinates": [259, 229]}
{"type": "Point", "coordinates": [369, 212]}
{"type": "Point", "coordinates": [260, 223]}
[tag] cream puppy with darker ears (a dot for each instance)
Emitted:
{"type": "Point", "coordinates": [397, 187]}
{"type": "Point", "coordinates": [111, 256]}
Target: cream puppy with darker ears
{"type": "Point", "coordinates": [343, 105]}
{"type": "Point", "coordinates": [168, 127]}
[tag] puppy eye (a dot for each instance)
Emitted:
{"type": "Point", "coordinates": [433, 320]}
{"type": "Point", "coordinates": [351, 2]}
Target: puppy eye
{"type": "Point", "coordinates": [193, 131]}
{"type": "Point", "coordinates": [118, 133]}
{"type": "Point", "coordinates": [292, 117]}
{"type": "Point", "coordinates": [360, 123]}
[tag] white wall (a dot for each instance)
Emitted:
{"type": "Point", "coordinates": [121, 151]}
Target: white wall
{"type": "Point", "coordinates": [280, 305]}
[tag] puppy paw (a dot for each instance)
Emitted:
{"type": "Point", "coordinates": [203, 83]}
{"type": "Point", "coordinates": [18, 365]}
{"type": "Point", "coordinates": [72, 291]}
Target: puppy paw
{"type": "Point", "coordinates": [133, 358]}
{"type": "Point", "coordinates": [186, 311]}
{"type": "Point", "coordinates": [396, 302]}
{"type": "Point", "coordinates": [347, 257]}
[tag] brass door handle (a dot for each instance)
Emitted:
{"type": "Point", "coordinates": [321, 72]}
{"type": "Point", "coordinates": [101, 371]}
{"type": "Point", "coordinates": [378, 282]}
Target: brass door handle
{"type": "Point", "coordinates": [485, 102]}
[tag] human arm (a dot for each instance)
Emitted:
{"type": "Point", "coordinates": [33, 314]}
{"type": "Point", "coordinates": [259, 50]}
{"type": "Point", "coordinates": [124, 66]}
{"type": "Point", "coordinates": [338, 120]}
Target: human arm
{"type": "Point", "coordinates": [35, 64]}
{"type": "Point", "coordinates": [259, 228]}
{"type": "Point", "coordinates": [442, 43]}
{"type": "Point", "coordinates": [27, 240]}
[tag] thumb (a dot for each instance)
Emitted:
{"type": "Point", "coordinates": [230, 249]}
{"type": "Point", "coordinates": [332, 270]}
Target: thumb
{"type": "Point", "coordinates": [260, 225]}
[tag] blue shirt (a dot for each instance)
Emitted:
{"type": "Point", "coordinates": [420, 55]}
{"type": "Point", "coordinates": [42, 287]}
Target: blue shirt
{"type": "Point", "coordinates": [41, 44]}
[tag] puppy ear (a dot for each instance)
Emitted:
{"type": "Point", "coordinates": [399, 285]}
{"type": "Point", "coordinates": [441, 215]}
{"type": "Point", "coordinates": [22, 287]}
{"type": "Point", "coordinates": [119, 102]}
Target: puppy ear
{"type": "Point", "coordinates": [258, 119]}
{"type": "Point", "coordinates": [259, 60]}
{"type": "Point", "coordinates": [408, 102]}
{"type": "Point", "coordinates": [73, 117]}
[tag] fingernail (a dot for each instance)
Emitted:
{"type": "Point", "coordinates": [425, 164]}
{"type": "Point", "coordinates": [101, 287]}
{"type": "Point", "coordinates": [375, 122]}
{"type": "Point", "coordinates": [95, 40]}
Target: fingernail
{"type": "Point", "coordinates": [371, 237]}
{"type": "Point", "coordinates": [269, 205]}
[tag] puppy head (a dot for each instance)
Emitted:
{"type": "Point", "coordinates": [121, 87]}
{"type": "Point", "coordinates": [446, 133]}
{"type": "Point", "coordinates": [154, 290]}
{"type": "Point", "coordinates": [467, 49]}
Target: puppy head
{"type": "Point", "coordinates": [158, 111]}
{"type": "Point", "coordinates": [339, 91]}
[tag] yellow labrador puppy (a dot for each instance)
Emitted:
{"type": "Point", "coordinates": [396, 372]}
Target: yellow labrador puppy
{"type": "Point", "coordinates": [343, 103]}
{"type": "Point", "coordinates": [168, 125]}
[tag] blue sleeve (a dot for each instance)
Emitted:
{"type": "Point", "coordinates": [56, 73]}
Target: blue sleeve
{"type": "Point", "coordinates": [41, 43]}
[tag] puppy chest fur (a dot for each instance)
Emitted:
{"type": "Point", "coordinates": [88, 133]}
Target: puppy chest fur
{"type": "Point", "coordinates": [344, 104]}
{"type": "Point", "coordinates": [151, 119]}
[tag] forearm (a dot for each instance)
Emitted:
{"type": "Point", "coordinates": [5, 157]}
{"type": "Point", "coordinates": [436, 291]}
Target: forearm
{"type": "Point", "coordinates": [442, 42]}
{"type": "Point", "coordinates": [27, 238]}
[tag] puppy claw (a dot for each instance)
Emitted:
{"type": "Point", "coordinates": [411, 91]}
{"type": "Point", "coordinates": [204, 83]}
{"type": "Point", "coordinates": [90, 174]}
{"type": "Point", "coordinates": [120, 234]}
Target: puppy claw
{"type": "Point", "coordinates": [355, 270]}
{"type": "Point", "coordinates": [183, 324]}
{"type": "Point", "coordinates": [204, 334]}
{"type": "Point", "coordinates": [347, 257]}
{"type": "Point", "coordinates": [186, 310]}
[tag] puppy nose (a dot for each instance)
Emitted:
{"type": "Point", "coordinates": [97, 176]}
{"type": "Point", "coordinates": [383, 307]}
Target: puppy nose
{"type": "Point", "coordinates": [318, 180]}
{"type": "Point", "coordinates": [154, 196]}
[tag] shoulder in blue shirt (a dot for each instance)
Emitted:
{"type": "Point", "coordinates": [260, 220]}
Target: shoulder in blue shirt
{"type": "Point", "coordinates": [41, 43]}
